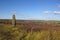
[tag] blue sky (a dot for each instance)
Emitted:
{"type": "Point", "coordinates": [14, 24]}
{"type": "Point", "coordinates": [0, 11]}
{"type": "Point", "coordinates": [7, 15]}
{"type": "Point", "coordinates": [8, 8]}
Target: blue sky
{"type": "Point", "coordinates": [30, 9]}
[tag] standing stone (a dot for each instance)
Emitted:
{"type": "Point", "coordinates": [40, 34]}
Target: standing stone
{"type": "Point", "coordinates": [13, 21]}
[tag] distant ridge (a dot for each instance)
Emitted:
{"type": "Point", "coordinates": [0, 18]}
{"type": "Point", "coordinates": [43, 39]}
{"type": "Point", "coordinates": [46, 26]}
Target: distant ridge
{"type": "Point", "coordinates": [19, 21]}
{"type": "Point", "coordinates": [35, 24]}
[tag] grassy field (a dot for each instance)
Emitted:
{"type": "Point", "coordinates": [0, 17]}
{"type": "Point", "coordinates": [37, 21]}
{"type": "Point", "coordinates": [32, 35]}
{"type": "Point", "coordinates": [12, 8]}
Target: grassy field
{"type": "Point", "coordinates": [30, 31]}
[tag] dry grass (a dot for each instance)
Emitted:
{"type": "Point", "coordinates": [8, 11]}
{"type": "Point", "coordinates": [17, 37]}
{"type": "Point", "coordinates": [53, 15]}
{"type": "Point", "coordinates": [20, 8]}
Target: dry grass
{"type": "Point", "coordinates": [8, 32]}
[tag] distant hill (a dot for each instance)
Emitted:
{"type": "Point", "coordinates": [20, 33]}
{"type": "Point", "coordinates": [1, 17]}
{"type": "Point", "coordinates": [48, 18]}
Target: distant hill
{"type": "Point", "coordinates": [19, 21]}
{"type": "Point", "coordinates": [34, 24]}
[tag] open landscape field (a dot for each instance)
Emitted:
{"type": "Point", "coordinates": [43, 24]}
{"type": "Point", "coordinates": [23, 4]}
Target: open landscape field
{"type": "Point", "coordinates": [29, 30]}
{"type": "Point", "coordinates": [29, 19]}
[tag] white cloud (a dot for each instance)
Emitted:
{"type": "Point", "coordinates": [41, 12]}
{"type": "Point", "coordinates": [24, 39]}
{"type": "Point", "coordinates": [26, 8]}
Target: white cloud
{"type": "Point", "coordinates": [51, 12]}
{"type": "Point", "coordinates": [56, 12]}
